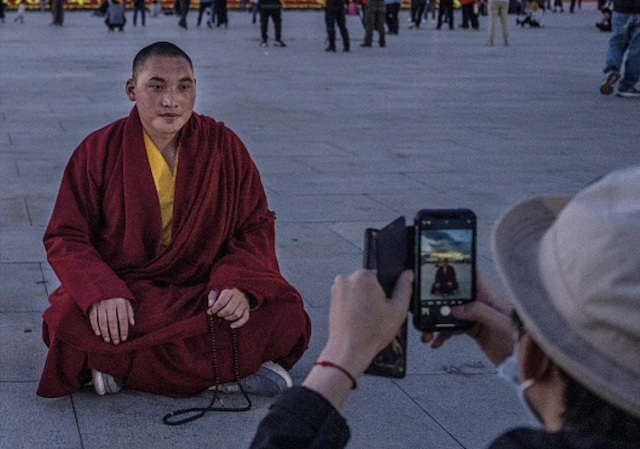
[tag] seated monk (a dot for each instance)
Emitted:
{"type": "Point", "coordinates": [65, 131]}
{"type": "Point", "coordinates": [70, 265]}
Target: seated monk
{"type": "Point", "coordinates": [164, 246]}
{"type": "Point", "coordinates": [445, 282]}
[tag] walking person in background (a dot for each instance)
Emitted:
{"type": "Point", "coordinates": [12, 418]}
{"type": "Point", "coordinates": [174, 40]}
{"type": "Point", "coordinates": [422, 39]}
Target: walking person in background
{"type": "Point", "coordinates": [335, 13]}
{"type": "Point", "coordinates": [155, 8]}
{"type": "Point", "coordinates": [625, 26]}
{"type": "Point", "coordinates": [374, 16]}
{"type": "Point", "coordinates": [139, 6]}
{"type": "Point", "coordinates": [498, 8]}
{"type": "Point", "coordinates": [57, 12]}
{"type": "Point", "coordinates": [417, 11]}
{"type": "Point", "coordinates": [393, 9]}
{"type": "Point", "coordinates": [115, 17]}
{"type": "Point", "coordinates": [573, 5]}
{"type": "Point", "coordinates": [255, 8]}
{"type": "Point", "coordinates": [445, 11]}
{"type": "Point", "coordinates": [220, 7]}
{"type": "Point", "coordinates": [184, 10]}
{"type": "Point", "coordinates": [204, 5]}
{"type": "Point", "coordinates": [469, 15]}
{"type": "Point", "coordinates": [22, 8]}
{"type": "Point", "coordinates": [273, 9]}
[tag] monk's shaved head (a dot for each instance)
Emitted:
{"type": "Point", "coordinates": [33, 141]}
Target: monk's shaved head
{"type": "Point", "coordinates": [158, 49]}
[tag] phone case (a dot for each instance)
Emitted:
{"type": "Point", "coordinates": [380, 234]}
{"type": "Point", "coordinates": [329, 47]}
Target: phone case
{"type": "Point", "coordinates": [385, 250]}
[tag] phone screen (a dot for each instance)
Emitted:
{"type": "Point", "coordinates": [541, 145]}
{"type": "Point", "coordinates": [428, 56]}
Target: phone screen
{"type": "Point", "coordinates": [445, 264]}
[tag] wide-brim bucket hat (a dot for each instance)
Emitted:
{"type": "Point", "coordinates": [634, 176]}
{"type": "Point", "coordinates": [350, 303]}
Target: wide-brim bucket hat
{"type": "Point", "coordinates": [571, 267]}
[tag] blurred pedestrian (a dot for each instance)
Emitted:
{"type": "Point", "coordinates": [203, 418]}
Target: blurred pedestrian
{"type": "Point", "coordinates": [220, 7]}
{"type": "Point", "coordinates": [445, 11]}
{"type": "Point", "coordinates": [393, 9]}
{"type": "Point", "coordinates": [273, 9]}
{"type": "Point", "coordinates": [139, 6]}
{"type": "Point", "coordinates": [417, 11]}
{"type": "Point", "coordinates": [22, 8]}
{"type": "Point", "coordinates": [184, 10]}
{"type": "Point", "coordinates": [625, 25]}
{"type": "Point", "coordinates": [115, 16]}
{"type": "Point", "coordinates": [202, 9]}
{"type": "Point", "coordinates": [255, 8]}
{"type": "Point", "coordinates": [469, 14]}
{"type": "Point", "coordinates": [498, 8]}
{"type": "Point", "coordinates": [155, 8]}
{"type": "Point", "coordinates": [374, 17]}
{"type": "Point", "coordinates": [57, 12]}
{"type": "Point", "coordinates": [335, 13]}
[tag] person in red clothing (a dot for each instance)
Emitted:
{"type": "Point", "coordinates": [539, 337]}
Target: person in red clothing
{"type": "Point", "coordinates": [164, 245]}
{"type": "Point", "coordinates": [469, 14]}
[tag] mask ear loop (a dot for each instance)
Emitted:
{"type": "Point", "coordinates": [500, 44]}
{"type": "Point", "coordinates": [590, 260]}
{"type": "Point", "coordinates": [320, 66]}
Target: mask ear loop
{"type": "Point", "coordinates": [177, 418]}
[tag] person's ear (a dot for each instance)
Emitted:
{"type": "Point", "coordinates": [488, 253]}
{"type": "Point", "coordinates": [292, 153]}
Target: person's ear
{"type": "Point", "coordinates": [534, 362]}
{"type": "Point", "coordinates": [129, 89]}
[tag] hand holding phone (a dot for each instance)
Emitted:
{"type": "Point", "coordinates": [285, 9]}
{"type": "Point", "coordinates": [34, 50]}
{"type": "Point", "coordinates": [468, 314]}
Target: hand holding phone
{"type": "Point", "coordinates": [492, 329]}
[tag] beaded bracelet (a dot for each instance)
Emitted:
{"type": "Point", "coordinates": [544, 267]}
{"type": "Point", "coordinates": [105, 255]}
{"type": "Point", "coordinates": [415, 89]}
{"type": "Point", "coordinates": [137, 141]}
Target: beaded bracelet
{"type": "Point", "coordinates": [326, 363]}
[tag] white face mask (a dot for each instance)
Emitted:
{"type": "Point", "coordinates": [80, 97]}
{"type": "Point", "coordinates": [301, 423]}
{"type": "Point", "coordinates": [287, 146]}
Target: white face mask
{"type": "Point", "coordinates": [508, 371]}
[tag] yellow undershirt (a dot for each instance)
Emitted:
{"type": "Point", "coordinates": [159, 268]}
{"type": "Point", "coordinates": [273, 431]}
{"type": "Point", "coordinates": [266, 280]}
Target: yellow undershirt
{"type": "Point", "coordinates": [165, 180]}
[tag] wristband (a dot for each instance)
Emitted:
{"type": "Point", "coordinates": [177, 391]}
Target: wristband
{"type": "Point", "coordinates": [326, 363]}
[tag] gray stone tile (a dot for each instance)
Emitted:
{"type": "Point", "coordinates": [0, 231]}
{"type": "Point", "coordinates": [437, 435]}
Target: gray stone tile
{"type": "Point", "coordinates": [22, 288]}
{"type": "Point", "coordinates": [30, 422]}
{"type": "Point", "coordinates": [474, 409]}
{"type": "Point", "coordinates": [21, 244]}
{"type": "Point", "coordinates": [322, 208]}
{"type": "Point", "coordinates": [134, 419]}
{"type": "Point", "coordinates": [383, 415]}
{"type": "Point", "coordinates": [318, 184]}
{"type": "Point", "coordinates": [13, 212]}
{"type": "Point", "coordinates": [308, 241]}
{"type": "Point", "coordinates": [396, 161]}
{"type": "Point", "coordinates": [22, 351]}
{"type": "Point", "coordinates": [313, 277]}
{"type": "Point", "coordinates": [275, 165]}
{"type": "Point", "coordinates": [39, 209]}
{"type": "Point", "coordinates": [51, 281]}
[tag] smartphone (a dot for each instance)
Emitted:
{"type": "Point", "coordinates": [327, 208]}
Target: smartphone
{"type": "Point", "coordinates": [445, 267]}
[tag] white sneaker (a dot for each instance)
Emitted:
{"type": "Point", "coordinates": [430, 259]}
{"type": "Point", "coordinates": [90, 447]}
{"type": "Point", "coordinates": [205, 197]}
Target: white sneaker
{"type": "Point", "coordinates": [629, 93]}
{"type": "Point", "coordinates": [105, 383]}
{"type": "Point", "coordinates": [269, 380]}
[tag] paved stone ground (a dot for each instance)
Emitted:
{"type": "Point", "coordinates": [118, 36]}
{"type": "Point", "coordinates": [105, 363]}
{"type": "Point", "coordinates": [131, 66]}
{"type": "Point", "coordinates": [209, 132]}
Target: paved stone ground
{"type": "Point", "coordinates": [343, 141]}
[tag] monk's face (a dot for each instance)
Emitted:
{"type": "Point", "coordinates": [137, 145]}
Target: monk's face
{"type": "Point", "coordinates": [164, 90]}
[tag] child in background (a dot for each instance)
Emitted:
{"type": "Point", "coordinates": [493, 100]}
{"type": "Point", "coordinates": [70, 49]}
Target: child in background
{"type": "Point", "coordinates": [533, 16]}
{"type": "Point", "coordinates": [22, 8]}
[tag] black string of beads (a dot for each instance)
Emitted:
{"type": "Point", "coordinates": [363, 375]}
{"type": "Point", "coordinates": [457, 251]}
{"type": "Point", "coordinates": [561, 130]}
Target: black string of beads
{"type": "Point", "coordinates": [198, 412]}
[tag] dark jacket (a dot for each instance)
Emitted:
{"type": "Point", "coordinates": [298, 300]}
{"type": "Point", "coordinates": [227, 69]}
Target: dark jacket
{"type": "Point", "coordinates": [539, 439]}
{"type": "Point", "coordinates": [627, 6]}
{"type": "Point", "coordinates": [270, 4]}
{"type": "Point", "coordinates": [303, 419]}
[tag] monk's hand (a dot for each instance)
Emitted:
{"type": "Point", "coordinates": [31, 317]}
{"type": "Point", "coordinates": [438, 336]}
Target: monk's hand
{"type": "Point", "coordinates": [231, 305]}
{"type": "Point", "coordinates": [111, 318]}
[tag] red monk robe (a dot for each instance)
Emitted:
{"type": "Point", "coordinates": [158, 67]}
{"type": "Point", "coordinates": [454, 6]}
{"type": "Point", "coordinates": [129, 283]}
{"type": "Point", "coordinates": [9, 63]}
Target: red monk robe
{"type": "Point", "coordinates": [104, 241]}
